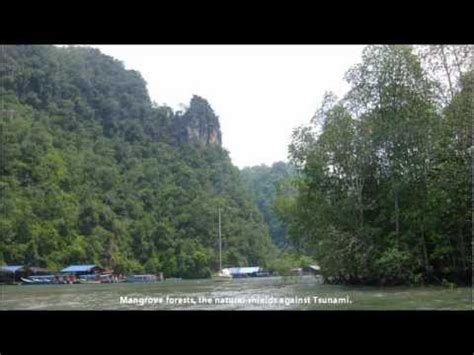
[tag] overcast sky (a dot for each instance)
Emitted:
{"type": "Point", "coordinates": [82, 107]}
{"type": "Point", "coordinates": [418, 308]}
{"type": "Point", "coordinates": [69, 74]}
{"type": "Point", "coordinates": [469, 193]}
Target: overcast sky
{"type": "Point", "coordinates": [260, 93]}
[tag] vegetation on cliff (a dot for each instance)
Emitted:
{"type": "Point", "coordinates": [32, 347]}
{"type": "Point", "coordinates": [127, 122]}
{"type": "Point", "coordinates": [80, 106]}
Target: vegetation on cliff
{"type": "Point", "coordinates": [94, 172]}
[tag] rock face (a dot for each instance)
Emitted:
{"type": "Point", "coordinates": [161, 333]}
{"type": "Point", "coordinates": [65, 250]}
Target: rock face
{"type": "Point", "coordinates": [199, 125]}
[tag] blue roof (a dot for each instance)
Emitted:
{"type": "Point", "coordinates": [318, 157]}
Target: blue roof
{"type": "Point", "coordinates": [244, 270]}
{"type": "Point", "coordinates": [78, 268]}
{"type": "Point", "coordinates": [11, 268]}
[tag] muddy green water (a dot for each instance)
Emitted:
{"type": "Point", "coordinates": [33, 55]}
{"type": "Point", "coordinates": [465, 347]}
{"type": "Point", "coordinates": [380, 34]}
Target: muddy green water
{"type": "Point", "coordinates": [296, 293]}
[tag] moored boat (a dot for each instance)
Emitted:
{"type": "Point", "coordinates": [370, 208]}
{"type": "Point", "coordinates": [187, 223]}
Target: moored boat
{"type": "Point", "coordinates": [85, 281]}
{"type": "Point", "coordinates": [37, 280]}
{"type": "Point", "coordinates": [222, 275]}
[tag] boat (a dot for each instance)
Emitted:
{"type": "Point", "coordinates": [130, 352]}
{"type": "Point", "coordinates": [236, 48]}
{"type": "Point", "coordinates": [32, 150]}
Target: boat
{"type": "Point", "coordinates": [222, 274]}
{"type": "Point", "coordinates": [89, 279]}
{"type": "Point", "coordinates": [99, 278]}
{"type": "Point", "coordinates": [37, 280]}
{"type": "Point", "coordinates": [248, 271]}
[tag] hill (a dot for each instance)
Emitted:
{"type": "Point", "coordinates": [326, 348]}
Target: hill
{"type": "Point", "coordinates": [94, 172]}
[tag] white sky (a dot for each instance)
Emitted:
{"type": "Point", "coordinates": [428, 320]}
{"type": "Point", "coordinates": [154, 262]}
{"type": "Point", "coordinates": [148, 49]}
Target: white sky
{"type": "Point", "coordinates": [259, 92]}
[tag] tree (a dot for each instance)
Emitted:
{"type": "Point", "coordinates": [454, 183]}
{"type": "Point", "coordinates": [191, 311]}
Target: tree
{"type": "Point", "coordinates": [264, 183]}
{"type": "Point", "coordinates": [366, 206]}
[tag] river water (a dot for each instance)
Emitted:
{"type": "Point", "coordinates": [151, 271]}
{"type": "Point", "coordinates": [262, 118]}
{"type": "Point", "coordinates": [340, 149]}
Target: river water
{"type": "Point", "coordinates": [276, 293]}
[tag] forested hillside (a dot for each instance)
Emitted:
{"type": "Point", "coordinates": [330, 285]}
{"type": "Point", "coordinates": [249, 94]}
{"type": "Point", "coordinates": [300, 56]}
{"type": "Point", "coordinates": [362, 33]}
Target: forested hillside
{"type": "Point", "coordinates": [384, 184]}
{"type": "Point", "coordinates": [265, 184]}
{"type": "Point", "coordinates": [93, 172]}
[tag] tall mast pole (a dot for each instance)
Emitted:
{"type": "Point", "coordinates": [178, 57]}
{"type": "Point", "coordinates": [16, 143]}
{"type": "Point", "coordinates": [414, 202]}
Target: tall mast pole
{"type": "Point", "coordinates": [220, 242]}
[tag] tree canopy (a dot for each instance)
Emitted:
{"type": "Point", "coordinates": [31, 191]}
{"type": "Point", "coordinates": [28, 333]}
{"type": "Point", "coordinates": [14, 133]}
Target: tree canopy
{"type": "Point", "coordinates": [383, 190]}
{"type": "Point", "coordinates": [94, 172]}
{"type": "Point", "coordinates": [266, 183]}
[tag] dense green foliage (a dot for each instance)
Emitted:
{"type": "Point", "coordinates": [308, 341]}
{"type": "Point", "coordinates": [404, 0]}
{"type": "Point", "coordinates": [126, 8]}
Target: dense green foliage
{"type": "Point", "coordinates": [378, 189]}
{"type": "Point", "coordinates": [272, 188]}
{"type": "Point", "coordinates": [265, 182]}
{"type": "Point", "coordinates": [385, 175]}
{"type": "Point", "coordinates": [93, 172]}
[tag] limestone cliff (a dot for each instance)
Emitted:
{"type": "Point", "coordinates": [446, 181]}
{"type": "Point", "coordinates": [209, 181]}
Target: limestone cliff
{"type": "Point", "coordinates": [199, 125]}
